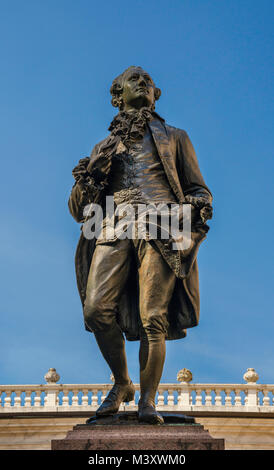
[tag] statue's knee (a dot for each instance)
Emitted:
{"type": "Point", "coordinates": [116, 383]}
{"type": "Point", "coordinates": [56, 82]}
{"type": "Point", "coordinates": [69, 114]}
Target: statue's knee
{"type": "Point", "coordinates": [91, 314]}
{"type": "Point", "coordinates": [154, 325]}
{"type": "Point", "coordinates": [98, 318]}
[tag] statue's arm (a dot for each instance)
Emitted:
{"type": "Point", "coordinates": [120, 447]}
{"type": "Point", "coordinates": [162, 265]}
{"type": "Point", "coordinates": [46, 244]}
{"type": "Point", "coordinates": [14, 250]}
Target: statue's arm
{"type": "Point", "coordinates": [194, 188]}
{"type": "Point", "coordinates": [87, 186]}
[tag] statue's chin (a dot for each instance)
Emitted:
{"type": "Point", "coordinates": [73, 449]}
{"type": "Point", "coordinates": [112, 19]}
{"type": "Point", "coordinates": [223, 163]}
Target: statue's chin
{"type": "Point", "coordinates": [138, 104]}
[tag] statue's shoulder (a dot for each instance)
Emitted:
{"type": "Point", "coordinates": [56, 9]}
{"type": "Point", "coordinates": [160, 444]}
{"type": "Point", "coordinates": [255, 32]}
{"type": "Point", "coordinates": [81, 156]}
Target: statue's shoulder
{"type": "Point", "coordinates": [176, 132]}
{"type": "Point", "coordinates": [172, 131]}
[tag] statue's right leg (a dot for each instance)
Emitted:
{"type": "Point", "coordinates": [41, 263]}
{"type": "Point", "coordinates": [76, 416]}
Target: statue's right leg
{"type": "Point", "coordinates": [107, 277]}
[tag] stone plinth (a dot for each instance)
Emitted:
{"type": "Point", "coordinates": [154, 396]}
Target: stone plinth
{"type": "Point", "coordinates": [124, 432]}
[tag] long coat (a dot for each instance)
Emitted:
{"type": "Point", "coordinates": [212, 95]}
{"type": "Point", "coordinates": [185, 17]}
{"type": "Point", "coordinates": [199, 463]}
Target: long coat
{"type": "Point", "coordinates": [182, 170]}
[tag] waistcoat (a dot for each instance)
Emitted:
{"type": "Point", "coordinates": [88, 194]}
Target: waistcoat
{"type": "Point", "coordinates": [138, 172]}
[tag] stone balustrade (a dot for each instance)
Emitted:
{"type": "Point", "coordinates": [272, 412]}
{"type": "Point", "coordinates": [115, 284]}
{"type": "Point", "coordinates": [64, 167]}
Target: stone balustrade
{"type": "Point", "coordinates": [181, 396]}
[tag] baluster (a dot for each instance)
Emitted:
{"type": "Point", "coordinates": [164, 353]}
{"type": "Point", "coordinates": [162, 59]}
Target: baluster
{"type": "Point", "coordinates": [7, 400]}
{"type": "Point", "coordinates": [198, 397]}
{"type": "Point", "coordinates": [65, 398]}
{"type": "Point", "coordinates": [28, 399]}
{"type": "Point", "coordinates": [17, 399]}
{"type": "Point", "coordinates": [85, 397]}
{"type": "Point", "coordinates": [161, 397]}
{"type": "Point", "coordinates": [37, 399]}
{"type": "Point", "coordinates": [218, 398]}
{"type": "Point", "coordinates": [238, 398]}
{"type": "Point", "coordinates": [170, 398]}
{"type": "Point", "coordinates": [228, 399]}
{"type": "Point", "coordinates": [208, 397]}
{"type": "Point", "coordinates": [94, 399]}
{"type": "Point", "coordinates": [75, 398]}
{"type": "Point", "coordinates": [266, 399]}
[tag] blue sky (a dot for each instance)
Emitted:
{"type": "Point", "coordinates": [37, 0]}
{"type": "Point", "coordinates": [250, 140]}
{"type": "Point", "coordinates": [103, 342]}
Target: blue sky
{"type": "Point", "coordinates": [213, 61]}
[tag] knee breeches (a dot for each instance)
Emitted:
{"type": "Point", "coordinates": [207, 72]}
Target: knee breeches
{"type": "Point", "coordinates": [108, 275]}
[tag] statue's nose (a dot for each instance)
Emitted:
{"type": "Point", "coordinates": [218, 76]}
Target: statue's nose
{"type": "Point", "coordinates": [142, 81]}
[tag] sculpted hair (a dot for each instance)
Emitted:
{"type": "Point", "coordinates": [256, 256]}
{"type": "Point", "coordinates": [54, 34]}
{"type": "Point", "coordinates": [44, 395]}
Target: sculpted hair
{"type": "Point", "coordinates": [116, 88]}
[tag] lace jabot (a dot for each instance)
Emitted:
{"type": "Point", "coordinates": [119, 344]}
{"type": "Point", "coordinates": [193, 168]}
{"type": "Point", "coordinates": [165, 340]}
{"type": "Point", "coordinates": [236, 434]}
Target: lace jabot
{"type": "Point", "coordinates": [130, 127]}
{"type": "Point", "coordinates": [126, 128]}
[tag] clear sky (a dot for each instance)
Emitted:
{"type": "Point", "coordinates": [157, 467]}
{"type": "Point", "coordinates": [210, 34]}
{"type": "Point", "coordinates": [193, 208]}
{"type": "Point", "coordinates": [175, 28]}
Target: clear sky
{"type": "Point", "coordinates": [213, 60]}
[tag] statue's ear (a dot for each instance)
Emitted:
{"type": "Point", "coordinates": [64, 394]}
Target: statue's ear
{"type": "Point", "coordinates": [115, 102]}
{"type": "Point", "coordinates": [157, 93]}
{"type": "Point", "coordinates": [116, 91]}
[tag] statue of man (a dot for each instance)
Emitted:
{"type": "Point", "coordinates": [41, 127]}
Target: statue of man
{"type": "Point", "coordinates": [141, 287]}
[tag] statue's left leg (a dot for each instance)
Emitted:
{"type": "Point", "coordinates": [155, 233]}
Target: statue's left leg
{"type": "Point", "coordinates": [157, 283]}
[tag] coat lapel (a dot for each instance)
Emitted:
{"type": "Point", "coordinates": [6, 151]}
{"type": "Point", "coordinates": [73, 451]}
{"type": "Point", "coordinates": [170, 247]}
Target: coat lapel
{"type": "Point", "coordinates": [162, 144]}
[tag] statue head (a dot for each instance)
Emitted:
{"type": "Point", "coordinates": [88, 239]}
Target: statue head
{"type": "Point", "coordinates": [133, 89]}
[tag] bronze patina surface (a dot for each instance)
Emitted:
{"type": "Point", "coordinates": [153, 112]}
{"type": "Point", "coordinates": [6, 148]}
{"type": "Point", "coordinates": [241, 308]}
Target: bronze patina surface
{"type": "Point", "coordinates": [143, 289]}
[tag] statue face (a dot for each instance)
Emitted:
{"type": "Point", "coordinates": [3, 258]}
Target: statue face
{"type": "Point", "coordinates": [138, 90]}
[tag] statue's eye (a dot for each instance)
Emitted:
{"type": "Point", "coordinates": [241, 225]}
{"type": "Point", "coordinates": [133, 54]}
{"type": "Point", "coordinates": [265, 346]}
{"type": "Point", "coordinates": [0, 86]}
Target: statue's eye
{"type": "Point", "coordinates": [148, 79]}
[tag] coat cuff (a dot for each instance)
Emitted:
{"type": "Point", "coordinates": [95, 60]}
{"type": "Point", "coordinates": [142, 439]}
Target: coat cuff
{"type": "Point", "coordinates": [203, 206]}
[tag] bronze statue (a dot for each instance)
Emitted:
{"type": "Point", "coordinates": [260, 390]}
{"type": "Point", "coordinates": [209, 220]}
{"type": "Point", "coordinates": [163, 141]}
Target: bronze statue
{"type": "Point", "coordinates": [142, 288]}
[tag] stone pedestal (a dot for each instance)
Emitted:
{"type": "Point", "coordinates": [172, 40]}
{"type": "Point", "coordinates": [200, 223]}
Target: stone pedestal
{"type": "Point", "coordinates": [124, 432]}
